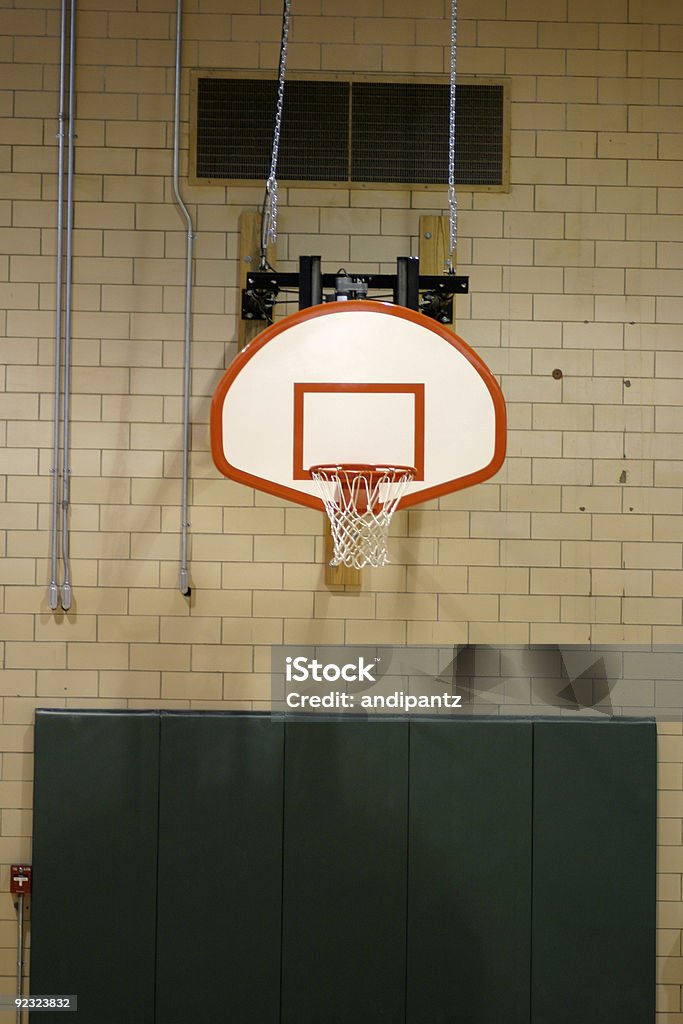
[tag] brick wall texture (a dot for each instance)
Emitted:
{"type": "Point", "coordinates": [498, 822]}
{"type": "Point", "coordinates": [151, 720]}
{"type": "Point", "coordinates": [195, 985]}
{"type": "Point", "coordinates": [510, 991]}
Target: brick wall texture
{"type": "Point", "coordinates": [578, 268]}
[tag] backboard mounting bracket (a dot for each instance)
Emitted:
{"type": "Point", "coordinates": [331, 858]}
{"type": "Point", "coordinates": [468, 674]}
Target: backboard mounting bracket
{"type": "Point", "coordinates": [430, 294]}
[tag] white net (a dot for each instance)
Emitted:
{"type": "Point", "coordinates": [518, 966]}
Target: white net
{"type": "Point", "coordinates": [360, 501]}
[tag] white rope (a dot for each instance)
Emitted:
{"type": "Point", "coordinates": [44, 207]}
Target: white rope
{"type": "Point", "coordinates": [452, 197]}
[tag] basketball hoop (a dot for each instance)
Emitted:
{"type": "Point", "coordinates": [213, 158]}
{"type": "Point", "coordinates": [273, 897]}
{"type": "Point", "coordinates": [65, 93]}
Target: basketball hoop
{"type": "Point", "coordinates": [360, 501]}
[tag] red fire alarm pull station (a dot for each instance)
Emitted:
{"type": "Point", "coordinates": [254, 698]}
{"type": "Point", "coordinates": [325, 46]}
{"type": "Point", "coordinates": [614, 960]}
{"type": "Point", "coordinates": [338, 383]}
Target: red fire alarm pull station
{"type": "Point", "coordinates": [20, 878]}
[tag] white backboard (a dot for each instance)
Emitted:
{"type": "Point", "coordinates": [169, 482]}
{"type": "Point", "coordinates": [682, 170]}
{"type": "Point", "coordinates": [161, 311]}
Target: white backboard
{"type": "Point", "coordinates": [357, 382]}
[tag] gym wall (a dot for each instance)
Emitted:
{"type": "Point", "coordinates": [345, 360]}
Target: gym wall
{"type": "Point", "coordinates": [577, 268]}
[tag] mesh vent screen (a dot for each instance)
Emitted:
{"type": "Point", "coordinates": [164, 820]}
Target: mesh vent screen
{"type": "Point", "coordinates": [479, 132]}
{"type": "Point", "coordinates": [399, 131]}
{"type": "Point", "coordinates": [235, 129]}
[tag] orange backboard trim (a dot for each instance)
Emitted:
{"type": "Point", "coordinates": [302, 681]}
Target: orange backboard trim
{"type": "Point", "coordinates": [358, 305]}
{"type": "Point", "coordinates": [301, 390]}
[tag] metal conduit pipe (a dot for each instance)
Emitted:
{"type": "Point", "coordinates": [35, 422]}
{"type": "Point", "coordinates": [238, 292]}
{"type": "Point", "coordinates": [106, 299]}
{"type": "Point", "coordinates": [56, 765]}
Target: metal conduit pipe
{"type": "Point", "coordinates": [183, 576]}
{"type": "Point", "coordinates": [53, 588]}
{"type": "Point", "coordinates": [20, 953]}
{"type": "Point", "coordinates": [66, 434]}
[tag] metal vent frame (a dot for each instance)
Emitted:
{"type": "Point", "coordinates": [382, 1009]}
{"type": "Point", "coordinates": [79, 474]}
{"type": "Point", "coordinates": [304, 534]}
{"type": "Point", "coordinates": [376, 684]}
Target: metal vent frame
{"type": "Point", "coordinates": [348, 182]}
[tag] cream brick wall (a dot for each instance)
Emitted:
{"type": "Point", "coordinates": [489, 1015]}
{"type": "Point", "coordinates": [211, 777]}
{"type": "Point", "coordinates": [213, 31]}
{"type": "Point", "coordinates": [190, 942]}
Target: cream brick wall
{"type": "Point", "coordinates": [578, 268]}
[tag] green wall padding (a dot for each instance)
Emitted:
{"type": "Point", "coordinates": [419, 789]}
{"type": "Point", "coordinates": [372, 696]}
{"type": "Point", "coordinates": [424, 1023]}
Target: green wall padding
{"type": "Point", "coordinates": [220, 869]}
{"type": "Point", "coordinates": [201, 866]}
{"type": "Point", "coordinates": [469, 881]}
{"type": "Point", "coordinates": [594, 873]}
{"type": "Point", "coordinates": [344, 895]}
{"type": "Point", "coordinates": [93, 926]}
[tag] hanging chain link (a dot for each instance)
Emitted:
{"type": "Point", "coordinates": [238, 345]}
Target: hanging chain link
{"type": "Point", "coordinates": [452, 197]}
{"type": "Point", "coordinates": [269, 224]}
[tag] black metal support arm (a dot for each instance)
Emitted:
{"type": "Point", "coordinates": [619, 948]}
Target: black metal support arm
{"type": "Point", "coordinates": [431, 294]}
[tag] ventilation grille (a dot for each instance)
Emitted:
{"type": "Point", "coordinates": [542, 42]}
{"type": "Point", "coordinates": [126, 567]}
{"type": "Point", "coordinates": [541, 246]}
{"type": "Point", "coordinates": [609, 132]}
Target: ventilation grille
{"type": "Point", "coordinates": [235, 129]}
{"type": "Point", "coordinates": [388, 132]}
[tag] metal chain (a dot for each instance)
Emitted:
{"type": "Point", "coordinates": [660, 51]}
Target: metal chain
{"type": "Point", "coordinates": [452, 197]}
{"type": "Point", "coordinates": [269, 233]}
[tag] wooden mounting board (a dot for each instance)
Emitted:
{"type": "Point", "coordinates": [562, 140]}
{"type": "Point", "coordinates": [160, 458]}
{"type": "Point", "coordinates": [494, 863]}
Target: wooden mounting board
{"type": "Point", "coordinates": [250, 254]}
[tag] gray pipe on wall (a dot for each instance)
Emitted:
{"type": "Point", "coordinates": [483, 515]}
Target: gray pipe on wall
{"type": "Point", "coordinates": [66, 423]}
{"type": "Point", "coordinates": [62, 301]}
{"type": "Point", "coordinates": [63, 313]}
{"type": "Point", "coordinates": [20, 952]}
{"type": "Point", "coordinates": [53, 588]}
{"type": "Point", "coordinates": [183, 575]}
